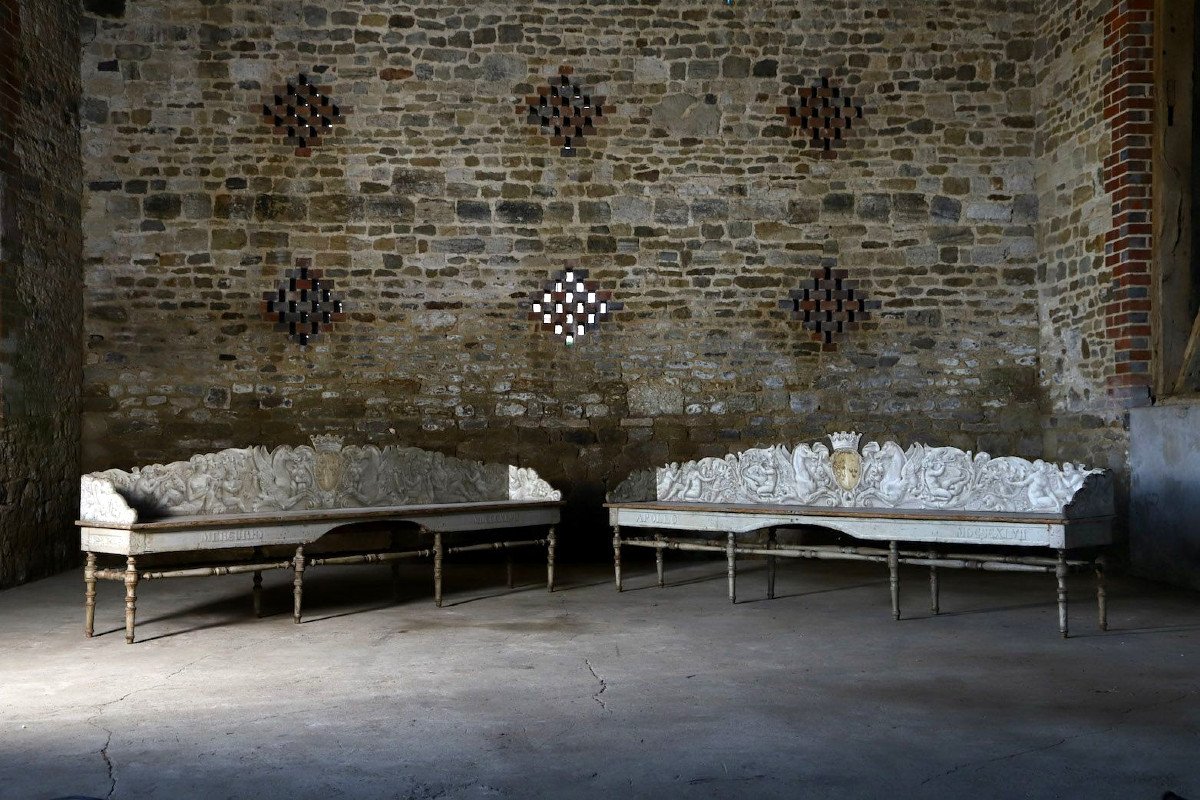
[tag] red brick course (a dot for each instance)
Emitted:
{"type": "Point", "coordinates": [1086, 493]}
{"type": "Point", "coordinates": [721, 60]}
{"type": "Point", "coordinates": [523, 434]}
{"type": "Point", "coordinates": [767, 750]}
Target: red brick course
{"type": "Point", "coordinates": [1128, 104]}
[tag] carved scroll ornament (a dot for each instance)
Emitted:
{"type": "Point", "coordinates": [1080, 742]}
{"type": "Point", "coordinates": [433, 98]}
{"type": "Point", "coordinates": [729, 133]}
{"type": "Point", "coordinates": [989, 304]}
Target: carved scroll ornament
{"type": "Point", "coordinates": [324, 476]}
{"type": "Point", "coordinates": [886, 476]}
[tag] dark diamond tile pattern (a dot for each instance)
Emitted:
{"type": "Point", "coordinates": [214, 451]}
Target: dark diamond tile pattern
{"type": "Point", "coordinates": [824, 115]}
{"type": "Point", "coordinates": [829, 305]}
{"type": "Point", "coordinates": [302, 114]}
{"type": "Point", "coordinates": [303, 305]}
{"type": "Point", "coordinates": [566, 111]}
{"type": "Point", "coordinates": [571, 306]}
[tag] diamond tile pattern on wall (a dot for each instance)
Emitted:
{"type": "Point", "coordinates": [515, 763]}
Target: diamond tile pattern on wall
{"type": "Point", "coordinates": [566, 111]}
{"type": "Point", "coordinates": [303, 305]}
{"type": "Point", "coordinates": [571, 306]}
{"type": "Point", "coordinates": [823, 115]}
{"type": "Point", "coordinates": [829, 305]}
{"type": "Point", "coordinates": [302, 114]}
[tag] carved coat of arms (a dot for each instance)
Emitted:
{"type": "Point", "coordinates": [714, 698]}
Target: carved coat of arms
{"type": "Point", "coordinates": [329, 463]}
{"type": "Point", "coordinates": [845, 460]}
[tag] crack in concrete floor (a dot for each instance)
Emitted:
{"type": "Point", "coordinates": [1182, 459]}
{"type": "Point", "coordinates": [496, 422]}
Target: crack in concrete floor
{"type": "Point", "coordinates": [601, 681]}
{"type": "Point", "coordinates": [93, 720]}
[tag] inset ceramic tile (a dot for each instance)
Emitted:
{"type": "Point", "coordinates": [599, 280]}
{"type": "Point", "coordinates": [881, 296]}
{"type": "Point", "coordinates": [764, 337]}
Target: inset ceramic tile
{"type": "Point", "coordinates": [301, 113]}
{"type": "Point", "coordinates": [829, 305]}
{"type": "Point", "coordinates": [571, 306]}
{"type": "Point", "coordinates": [303, 305]}
{"type": "Point", "coordinates": [566, 111]}
{"type": "Point", "coordinates": [824, 115]}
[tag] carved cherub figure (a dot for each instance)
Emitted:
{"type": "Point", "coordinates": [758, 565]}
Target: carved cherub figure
{"type": "Point", "coordinates": [232, 489]}
{"type": "Point", "coordinates": [759, 473]}
{"type": "Point", "coordinates": [1042, 486]}
{"type": "Point", "coordinates": [944, 478]}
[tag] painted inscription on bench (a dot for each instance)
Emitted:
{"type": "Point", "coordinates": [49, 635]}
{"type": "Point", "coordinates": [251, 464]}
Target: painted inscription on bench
{"type": "Point", "coordinates": [498, 518]}
{"type": "Point", "coordinates": [92, 537]}
{"type": "Point", "coordinates": [998, 534]}
{"type": "Point", "coordinates": [222, 537]}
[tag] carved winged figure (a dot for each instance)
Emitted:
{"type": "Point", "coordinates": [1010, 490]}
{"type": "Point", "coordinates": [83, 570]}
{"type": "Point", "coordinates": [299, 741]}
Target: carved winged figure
{"type": "Point", "coordinates": [886, 481]}
{"type": "Point", "coordinates": [814, 475]}
{"type": "Point", "coordinates": [284, 481]}
{"type": "Point", "coordinates": [361, 478]}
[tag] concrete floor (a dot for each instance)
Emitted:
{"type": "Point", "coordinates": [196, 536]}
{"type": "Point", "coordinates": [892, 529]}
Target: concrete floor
{"type": "Point", "coordinates": [590, 693]}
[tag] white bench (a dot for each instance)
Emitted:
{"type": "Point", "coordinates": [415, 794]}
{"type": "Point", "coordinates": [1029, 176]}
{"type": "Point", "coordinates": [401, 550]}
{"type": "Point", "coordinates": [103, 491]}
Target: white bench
{"type": "Point", "coordinates": [930, 496]}
{"type": "Point", "coordinates": [291, 496]}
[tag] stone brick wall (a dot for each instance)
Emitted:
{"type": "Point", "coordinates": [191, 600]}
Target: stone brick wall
{"type": "Point", "coordinates": [41, 287]}
{"type": "Point", "coordinates": [436, 209]}
{"type": "Point", "coordinates": [1094, 92]}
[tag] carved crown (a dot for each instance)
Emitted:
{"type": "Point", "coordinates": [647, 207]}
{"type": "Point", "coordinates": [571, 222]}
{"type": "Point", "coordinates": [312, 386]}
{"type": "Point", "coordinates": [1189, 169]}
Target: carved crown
{"type": "Point", "coordinates": [845, 440]}
{"type": "Point", "coordinates": [327, 444]}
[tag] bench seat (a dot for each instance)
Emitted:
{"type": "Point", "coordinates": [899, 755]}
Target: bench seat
{"type": "Point", "coordinates": [256, 499]}
{"type": "Point", "coordinates": [926, 498]}
{"type": "Point", "coordinates": [223, 531]}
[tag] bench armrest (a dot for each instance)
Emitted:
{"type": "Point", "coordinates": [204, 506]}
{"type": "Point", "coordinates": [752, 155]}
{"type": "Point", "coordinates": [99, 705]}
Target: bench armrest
{"type": "Point", "coordinates": [99, 501]}
{"type": "Point", "coordinates": [525, 484]}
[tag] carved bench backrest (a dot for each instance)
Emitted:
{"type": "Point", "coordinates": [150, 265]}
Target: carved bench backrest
{"type": "Point", "coordinates": [324, 476]}
{"type": "Point", "coordinates": [877, 476]}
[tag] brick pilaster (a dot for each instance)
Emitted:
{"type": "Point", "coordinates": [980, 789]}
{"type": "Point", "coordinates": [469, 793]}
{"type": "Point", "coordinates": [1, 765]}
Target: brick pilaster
{"type": "Point", "coordinates": [1128, 109]}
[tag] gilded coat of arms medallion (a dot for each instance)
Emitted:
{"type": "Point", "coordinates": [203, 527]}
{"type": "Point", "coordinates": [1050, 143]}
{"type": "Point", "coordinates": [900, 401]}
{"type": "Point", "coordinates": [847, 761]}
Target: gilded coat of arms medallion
{"type": "Point", "coordinates": [329, 463]}
{"type": "Point", "coordinates": [845, 460]}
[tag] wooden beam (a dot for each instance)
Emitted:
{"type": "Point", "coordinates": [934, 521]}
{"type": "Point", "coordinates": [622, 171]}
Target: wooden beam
{"type": "Point", "coordinates": [1173, 282]}
{"type": "Point", "coordinates": [1189, 372]}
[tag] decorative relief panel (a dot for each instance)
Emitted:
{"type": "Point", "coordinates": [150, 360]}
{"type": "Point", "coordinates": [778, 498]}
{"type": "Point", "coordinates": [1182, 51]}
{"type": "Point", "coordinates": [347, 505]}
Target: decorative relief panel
{"type": "Point", "coordinates": [828, 305]}
{"type": "Point", "coordinates": [301, 113]}
{"type": "Point", "coordinates": [823, 115]}
{"type": "Point", "coordinates": [326, 475]}
{"type": "Point", "coordinates": [569, 305]}
{"type": "Point", "coordinates": [885, 476]}
{"type": "Point", "coordinates": [303, 305]}
{"type": "Point", "coordinates": [566, 111]}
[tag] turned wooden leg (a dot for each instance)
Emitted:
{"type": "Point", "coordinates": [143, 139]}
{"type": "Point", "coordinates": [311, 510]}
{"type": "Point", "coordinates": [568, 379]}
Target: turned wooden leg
{"type": "Point", "coordinates": [731, 566]}
{"type": "Point", "coordinates": [258, 584]}
{"type": "Point", "coordinates": [658, 561]}
{"type": "Point", "coordinates": [617, 555]}
{"type": "Point", "coordinates": [1101, 593]}
{"type": "Point", "coordinates": [1060, 572]}
{"type": "Point", "coordinates": [131, 582]}
{"type": "Point", "coordinates": [551, 544]}
{"type": "Point", "coordinates": [771, 565]}
{"type": "Point", "coordinates": [393, 546]}
{"type": "Point", "coordinates": [89, 595]}
{"type": "Point", "coordinates": [933, 584]}
{"type": "Point", "coordinates": [437, 569]}
{"type": "Point", "coordinates": [258, 593]}
{"type": "Point", "coordinates": [298, 584]}
{"type": "Point", "coordinates": [894, 577]}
